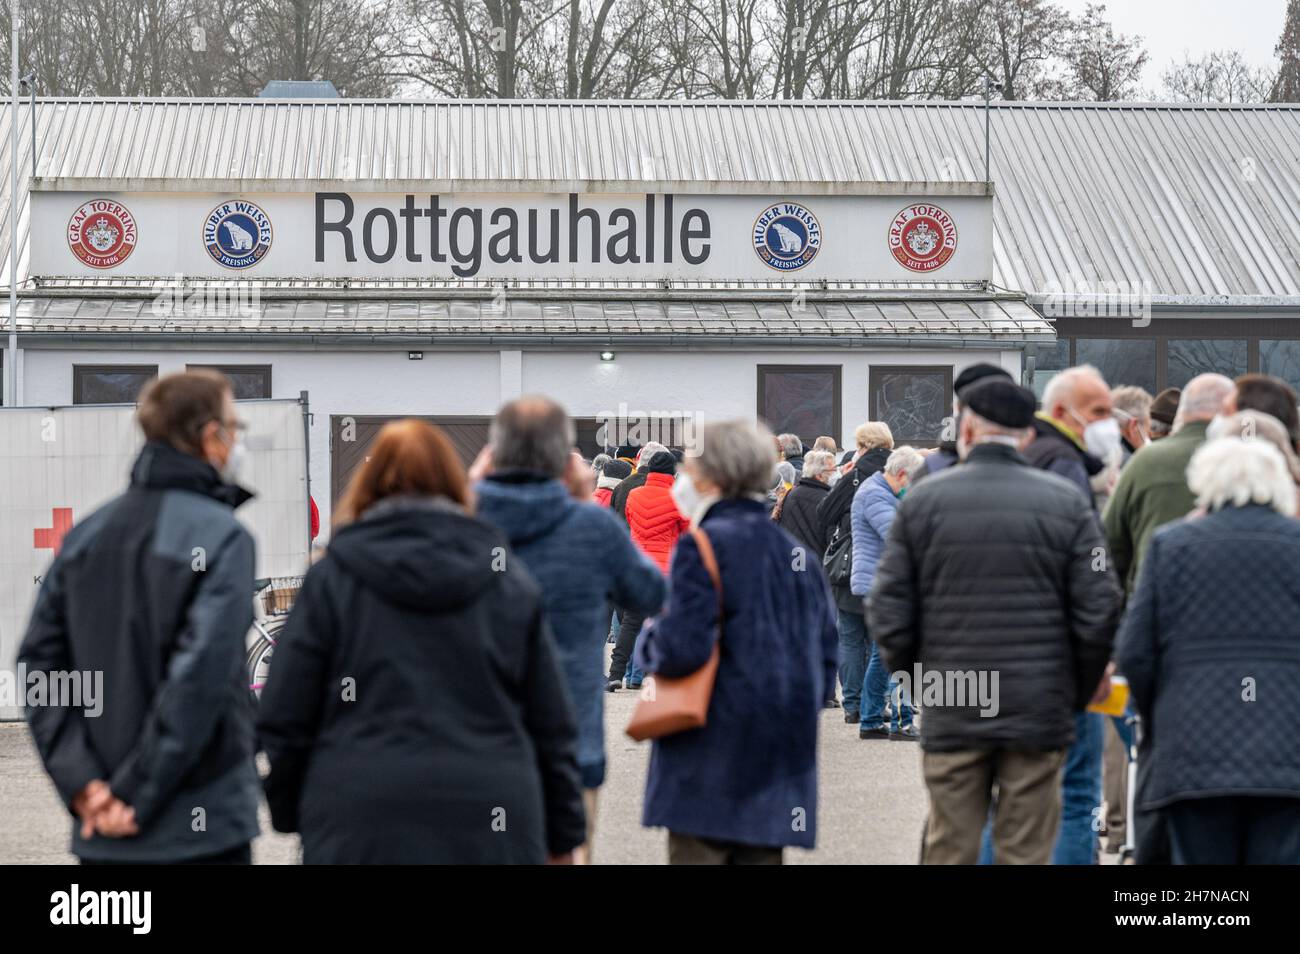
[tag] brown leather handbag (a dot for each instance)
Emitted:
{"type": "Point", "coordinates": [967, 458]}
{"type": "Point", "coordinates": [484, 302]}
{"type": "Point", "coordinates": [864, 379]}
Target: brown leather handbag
{"type": "Point", "coordinates": [669, 705]}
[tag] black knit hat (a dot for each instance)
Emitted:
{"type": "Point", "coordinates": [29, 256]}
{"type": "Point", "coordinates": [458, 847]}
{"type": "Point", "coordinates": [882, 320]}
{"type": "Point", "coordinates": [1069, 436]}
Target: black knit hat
{"type": "Point", "coordinates": [628, 450]}
{"type": "Point", "coordinates": [616, 469]}
{"type": "Point", "coordinates": [1002, 402]}
{"type": "Point", "coordinates": [662, 462]}
{"type": "Point", "coordinates": [978, 372]}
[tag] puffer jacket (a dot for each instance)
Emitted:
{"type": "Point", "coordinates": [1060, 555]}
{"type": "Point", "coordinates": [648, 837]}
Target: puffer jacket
{"type": "Point", "coordinates": [874, 506]}
{"type": "Point", "coordinates": [1217, 601]}
{"type": "Point", "coordinates": [996, 568]}
{"type": "Point", "coordinates": [798, 516]}
{"type": "Point", "coordinates": [835, 514]}
{"type": "Point", "coordinates": [655, 521]}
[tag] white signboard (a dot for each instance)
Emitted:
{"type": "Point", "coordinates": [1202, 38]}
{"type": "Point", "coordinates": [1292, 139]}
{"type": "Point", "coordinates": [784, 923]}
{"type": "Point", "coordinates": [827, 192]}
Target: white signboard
{"type": "Point", "coordinates": [60, 464]}
{"type": "Point", "coordinates": [331, 235]}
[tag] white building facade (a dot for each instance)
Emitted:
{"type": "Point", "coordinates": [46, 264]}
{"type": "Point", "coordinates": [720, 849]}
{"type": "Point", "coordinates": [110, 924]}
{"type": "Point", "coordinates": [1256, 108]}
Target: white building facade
{"type": "Point", "coordinates": [812, 265]}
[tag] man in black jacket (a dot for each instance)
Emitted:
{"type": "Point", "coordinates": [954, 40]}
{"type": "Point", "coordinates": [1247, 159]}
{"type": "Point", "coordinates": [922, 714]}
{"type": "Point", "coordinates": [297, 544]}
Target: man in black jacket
{"type": "Point", "coordinates": [155, 591]}
{"type": "Point", "coordinates": [874, 442]}
{"type": "Point", "coordinates": [995, 587]}
{"type": "Point", "coordinates": [797, 511]}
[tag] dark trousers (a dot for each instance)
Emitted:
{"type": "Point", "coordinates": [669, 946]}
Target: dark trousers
{"type": "Point", "coordinates": [628, 629]}
{"type": "Point", "coordinates": [1235, 830]}
{"type": "Point", "coordinates": [689, 850]}
{"type": "Point", "coordinates": [239, 855]}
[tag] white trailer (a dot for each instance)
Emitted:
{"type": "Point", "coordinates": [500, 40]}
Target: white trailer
{"type": "Point", "coordinates": [58, 464]}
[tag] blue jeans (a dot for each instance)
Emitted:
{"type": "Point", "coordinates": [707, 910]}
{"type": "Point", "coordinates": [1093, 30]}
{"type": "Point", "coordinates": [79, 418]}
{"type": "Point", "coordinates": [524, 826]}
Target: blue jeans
{"type": "Point", "coordinates": [632, 675]}
{"type": "Point", "coordinates": [1076, 840]}
{"type": "Point", "coordinates": [875, 685]}
{"type": "Point", "coordinates": [854, 653]}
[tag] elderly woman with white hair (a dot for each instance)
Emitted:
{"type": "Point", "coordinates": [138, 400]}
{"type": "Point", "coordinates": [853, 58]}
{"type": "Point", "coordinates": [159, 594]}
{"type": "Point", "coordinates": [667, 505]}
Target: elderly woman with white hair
{"type": "Point", "coordinates": [1211, 650]}
{"type": "Point", "coordinates": [744, 786]}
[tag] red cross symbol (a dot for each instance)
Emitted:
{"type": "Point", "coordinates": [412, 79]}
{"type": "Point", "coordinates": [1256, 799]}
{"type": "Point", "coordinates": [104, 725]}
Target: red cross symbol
{"type": "Point", "coordinates": [51, 538]}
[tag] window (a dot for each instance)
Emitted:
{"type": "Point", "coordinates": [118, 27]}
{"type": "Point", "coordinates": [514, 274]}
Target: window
{"type": "Point", "coordinates": [1121, 361]}
{"type": "Point", "coordinates": [1189, 357]}
{"type": "Point", "coordinates": [110, 383]}
{"type": "Point", "coordinates": [1282, 360]}
{"type": "Point", "coordinates": [914, 401]}
{"type": "Point", "coordinates": [248, 381]}
{"type": "Point", "coordinates": [1051, 359]}
{"type": "Point", "coordinates": [801, 399]}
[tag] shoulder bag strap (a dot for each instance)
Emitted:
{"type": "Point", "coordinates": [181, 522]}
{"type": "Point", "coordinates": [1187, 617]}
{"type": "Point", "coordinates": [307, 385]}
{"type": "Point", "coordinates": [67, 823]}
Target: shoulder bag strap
{"type": "Point", "coordinates": [710, 561]}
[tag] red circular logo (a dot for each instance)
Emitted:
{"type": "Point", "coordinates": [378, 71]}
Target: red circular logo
{"type": "Point", "coordinates": [101, 233]}
{"type": "Point", "coordinates": [922, 238]}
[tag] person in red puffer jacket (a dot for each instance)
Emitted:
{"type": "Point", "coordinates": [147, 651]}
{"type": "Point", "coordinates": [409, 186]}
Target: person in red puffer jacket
{"type": "Point", "coordinates": [656, 523]}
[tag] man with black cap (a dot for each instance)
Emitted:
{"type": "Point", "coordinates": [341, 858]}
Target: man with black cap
{"type": "Point", "coordinates": [946, 455]}
{"type": "Point", "coordinates": [991, 577]}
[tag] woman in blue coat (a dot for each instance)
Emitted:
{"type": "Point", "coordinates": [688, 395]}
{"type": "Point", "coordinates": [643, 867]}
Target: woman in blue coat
{"type": "Point", "coordinates": [743, 787]}
{"type": "Point", "coordinates": [874, 506]}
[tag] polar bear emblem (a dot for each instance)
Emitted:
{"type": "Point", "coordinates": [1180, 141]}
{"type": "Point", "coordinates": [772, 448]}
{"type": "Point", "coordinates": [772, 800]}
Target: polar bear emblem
{"type": "Point", "coordinates": [241, 240]}
{"type": "Point", "coordinates": [790, 240]}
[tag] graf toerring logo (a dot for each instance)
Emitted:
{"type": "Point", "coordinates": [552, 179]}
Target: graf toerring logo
{"type": "Point", "coordinates": [922, 237]}
{"type": "Point", "coordinates": [237, 234]}
{"type": "Point", "coordinates": [787, 236]}
{"type": "Point", "coordinates": [102, 233]}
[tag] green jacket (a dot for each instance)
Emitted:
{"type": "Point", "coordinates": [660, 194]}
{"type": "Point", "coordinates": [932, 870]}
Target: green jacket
{"type": "Point", "coordinates": [1152, 491]}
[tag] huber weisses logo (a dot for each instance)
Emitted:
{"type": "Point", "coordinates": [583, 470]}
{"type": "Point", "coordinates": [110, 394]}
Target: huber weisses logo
{"type": "Point", "coordinates": [237, 234]}
{"type": "Point", "coordinates": [101, 233]}
{"type": "Point", "coordinates": [787, 236]}
{"type": "Point", "coordinates": [922, 238]}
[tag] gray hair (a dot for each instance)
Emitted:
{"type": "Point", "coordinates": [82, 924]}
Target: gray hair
{"type": "Point", "coordinates": [532, 433]}
{"type": "Point", "coordinates": [1131, 401]}
{"type": "Point", "coordinates": [599, 461]}
{"type": "Point", "coordinates": [818, 463]}
{"type": "Point", "coordinates": [1203, 398]}
{"type": "Point", "coordinates": [1061, 389]}
{"type": "Point", "coordinates": [791, 445]}
{"type": "Point", "coordinates": [1232, 472]}
{"type": "Point", "coordinates": [738, 456]}
{"type": "Point", "coordinates": [783, 473]}
{"type": "Point", "coordinates": [904, 460]}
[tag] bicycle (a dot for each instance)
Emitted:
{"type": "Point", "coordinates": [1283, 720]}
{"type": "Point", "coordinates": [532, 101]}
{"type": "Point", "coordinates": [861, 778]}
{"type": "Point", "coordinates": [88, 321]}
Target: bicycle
{"type": "Point", "coordinates": [272, 600]}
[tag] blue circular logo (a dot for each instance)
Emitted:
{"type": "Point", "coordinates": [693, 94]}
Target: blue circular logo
{"type": "Point", "coordinates": [237, 234]}
{"type": "Point", "coordinates": [787, 236]}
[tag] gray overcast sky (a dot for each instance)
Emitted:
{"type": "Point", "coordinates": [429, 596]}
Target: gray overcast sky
{"type": "Point", "coordinates": [1171, 26]}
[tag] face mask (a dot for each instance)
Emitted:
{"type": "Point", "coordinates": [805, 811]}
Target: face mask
{"type": "Point", "coordinates": [1102, 437]}
{"type": "Point", "coordinates": [901, 492]}
{"type": "Point", "coordinates": [234, 461]}
{"type": "Point", "coordinates": [685, 495]}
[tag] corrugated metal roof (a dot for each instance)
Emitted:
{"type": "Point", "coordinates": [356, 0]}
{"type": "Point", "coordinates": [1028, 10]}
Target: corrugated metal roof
{"type": "Point", "coordinates": [1192, 203]}
{"type": "Point", "coordinates": [975, 319]}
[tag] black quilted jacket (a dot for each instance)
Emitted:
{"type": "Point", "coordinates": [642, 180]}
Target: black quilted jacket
{"type": "Point", "coordinates": [997, 568]}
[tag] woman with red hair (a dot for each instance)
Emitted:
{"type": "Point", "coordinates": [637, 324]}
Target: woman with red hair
{"type": "Point", "coordinates": [415, 703]}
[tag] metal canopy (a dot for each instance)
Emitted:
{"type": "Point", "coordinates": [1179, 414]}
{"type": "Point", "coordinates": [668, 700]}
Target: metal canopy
{"type": "Point", "coordinates": [988, 319]}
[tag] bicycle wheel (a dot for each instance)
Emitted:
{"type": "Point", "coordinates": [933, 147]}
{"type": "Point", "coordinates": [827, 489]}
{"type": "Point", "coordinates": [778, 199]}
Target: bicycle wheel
{"type": "Point", "coordinates": [257, 664]}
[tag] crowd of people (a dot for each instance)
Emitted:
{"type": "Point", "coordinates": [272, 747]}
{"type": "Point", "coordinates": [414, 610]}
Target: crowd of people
{"type": "Point", "coordinates": [1065, 588]}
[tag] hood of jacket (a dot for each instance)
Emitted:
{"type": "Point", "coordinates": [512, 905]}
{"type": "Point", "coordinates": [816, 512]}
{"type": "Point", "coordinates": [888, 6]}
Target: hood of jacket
{"type": "Point", "coordinates": [160, 466]}
{"type": "Point", "coordinates": [524, 506]}
{"type": "Point", "coordinates": [425, 553]}
{"type": "Point", "coordinates": [608, 483]}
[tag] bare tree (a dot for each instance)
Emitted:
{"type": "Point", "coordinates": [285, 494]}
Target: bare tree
{"type": "Point", "coordinates": [1101, 64]}
{"type": "Point", "coordinates": [1021, 39]}
{"type": "Point", "coordinates": [1221, 76]}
